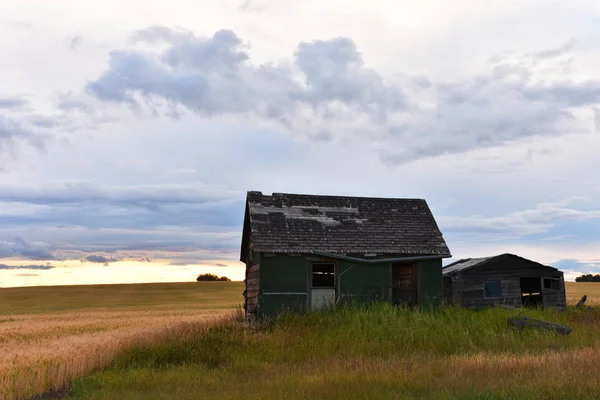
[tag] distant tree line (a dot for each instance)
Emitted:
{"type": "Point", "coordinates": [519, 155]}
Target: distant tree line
{"type": "Point", "coordinates": [212, 278]}
{"type": "Point", "coordinates": [588, 278]}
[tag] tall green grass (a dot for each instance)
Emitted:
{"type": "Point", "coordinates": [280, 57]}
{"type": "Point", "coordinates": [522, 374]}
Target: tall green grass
{"type": "Point", "coordinates": [375, 351]}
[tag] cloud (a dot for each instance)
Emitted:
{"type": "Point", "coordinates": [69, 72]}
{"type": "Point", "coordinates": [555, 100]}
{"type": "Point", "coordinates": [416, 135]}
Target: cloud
{"type": "Point", "coordinates": [11, 103]}
{"type": "Point", "coordinates": [213, 76]}
{"type": "Point", "coordinates": [538, 220]}
{"type": "Point", "coordinates": [582, 266]}
{"type": "Point", "coordinates": [19, 246]}
{"type": "Point", "coordinates": [75, 42]}
{"type": "Point", "coordinates": [98, 259]}
{"type": "Point", "coordinates": [251, 6]}
{"type": "Point", "coordinates": [27, 275]}
{"type": "Point", "coordinates": [33, 267]}
{"type": "Point", "coordinates": [328, 93]}
{"type": "Point", "coordinates": [555, 52]}
{"type": "Point", "coordinates": [11, 130]}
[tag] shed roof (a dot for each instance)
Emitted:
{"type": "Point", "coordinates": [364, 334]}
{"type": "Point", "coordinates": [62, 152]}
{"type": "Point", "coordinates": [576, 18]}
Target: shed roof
{"type": "Point", "coordinates": [470, 263]}
{"type": "Point", "coordinates": [299, 223]}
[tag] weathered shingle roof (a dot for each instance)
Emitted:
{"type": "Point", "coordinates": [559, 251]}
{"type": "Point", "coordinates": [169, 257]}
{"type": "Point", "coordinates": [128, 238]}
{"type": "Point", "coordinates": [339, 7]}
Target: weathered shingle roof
{"type": "Point", "coordinates": [464, 264]}
{"type": "Point", "coordinates": [295, 223]}
{"type": "Point", "coordinates": [470, 263]}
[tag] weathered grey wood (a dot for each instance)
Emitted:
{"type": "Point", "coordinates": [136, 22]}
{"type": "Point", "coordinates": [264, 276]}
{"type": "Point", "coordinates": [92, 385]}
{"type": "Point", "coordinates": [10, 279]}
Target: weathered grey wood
{"type": "Point", "coordinates": [505, 306]}
{"type": "Point", "coordinates": [466, 288]}
{"type": "Point", "coordinates": [522, 322]}
{"type": "Point", "coordinates": [581, 302]}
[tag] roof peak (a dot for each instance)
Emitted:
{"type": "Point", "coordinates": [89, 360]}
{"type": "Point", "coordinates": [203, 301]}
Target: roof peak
{"type": "Point", "coordinates": [280, 194]}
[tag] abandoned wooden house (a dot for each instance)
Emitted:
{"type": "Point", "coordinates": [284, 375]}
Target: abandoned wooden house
{"type": "Point", "coordinates": [306, 252]}
{"type": "Point", "coordinates": [504, 279]}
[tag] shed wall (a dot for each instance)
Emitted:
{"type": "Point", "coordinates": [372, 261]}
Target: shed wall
{"type": "Point", "coordinates": [285, 282]}
{"type": "Point", "coordinates": [363, 283]}
{"type": "Point", "coordinates": [467, 287]}
{"type": "Point", "coordinates": [251, 294]}
{"type": "Point", "coordinates": [430, 283]}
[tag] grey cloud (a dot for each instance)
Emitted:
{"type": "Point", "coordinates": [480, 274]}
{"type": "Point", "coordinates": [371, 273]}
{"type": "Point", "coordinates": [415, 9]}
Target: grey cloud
{"type": "Point", "coordinates": [596, 112]}
{"type": "Point", "coordinates": [32, 267]}
{"type": "Point", "coordinates": [12, 103]}
{"type": "Point", "coordinates": [99, 259]}
{"type": "Point", "coordinates": [213, 76]}
{"type": "Point", "coordinates": [251, 6]}
{"type": "Point", "coordinates": [10, 130]}
{"type": "Point", "coordinates": [555, 52]}
{"type": "Point", "coordinates": [43, 121]}
{"type": "Point", "coordinates": [19, 246]}
{"type": "Point", "coordinates": [75, 42]}
{"type": "Point", "coordinates": [328, 93]}
{"type": "Point", "coordinates": [538, 220]}
{"type": "Point", "coordinates": [82, 192]}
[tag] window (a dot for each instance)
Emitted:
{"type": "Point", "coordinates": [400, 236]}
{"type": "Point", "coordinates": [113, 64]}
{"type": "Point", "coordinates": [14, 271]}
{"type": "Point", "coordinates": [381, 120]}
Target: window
{"type": "Point", "coordinates": [323, 275]}
{"type": "Point", "coordinates": [492, 289]}
{"type": "Point", "coordinates": [552, 284]}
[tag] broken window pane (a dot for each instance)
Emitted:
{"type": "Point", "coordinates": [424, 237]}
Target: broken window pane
{"type": "Point", "coordinates": [492, 289]}
{"type": "Point", "coordinates": [323, 275]}
{"type": "Point", "coordinates": [552, 284]}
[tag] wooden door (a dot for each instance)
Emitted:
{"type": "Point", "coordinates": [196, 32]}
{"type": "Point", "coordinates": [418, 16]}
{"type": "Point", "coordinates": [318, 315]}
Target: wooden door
{"type": "Point", "coordinates": [405, 284]}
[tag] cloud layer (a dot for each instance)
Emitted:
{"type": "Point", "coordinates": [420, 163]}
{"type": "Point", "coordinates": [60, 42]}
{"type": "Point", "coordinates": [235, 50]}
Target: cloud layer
{"type": "Point", "coordinates": [327, 92]}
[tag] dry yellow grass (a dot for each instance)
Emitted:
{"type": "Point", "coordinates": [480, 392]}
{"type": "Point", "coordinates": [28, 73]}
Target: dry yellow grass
{"type": "Point", "coordinates": [576, 290]}
{"type": "Point", "coordinates": [45, 344]}
{"type": "Point", "coordinates": [43, 353]}
{"type": "Point", "coordinates": [51, 335]}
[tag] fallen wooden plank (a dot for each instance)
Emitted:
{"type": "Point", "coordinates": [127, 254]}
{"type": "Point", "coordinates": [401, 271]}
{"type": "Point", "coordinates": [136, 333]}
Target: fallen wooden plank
{"type": "Point", "coordinates": [523, 322]}
{"type": "Point", "coordinates": [582, 301]}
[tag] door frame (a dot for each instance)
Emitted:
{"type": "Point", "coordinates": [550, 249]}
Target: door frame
{"type": "Point", "coordinates": [309, 278]}
{"type": "Point", "coordinates": [417, 273]}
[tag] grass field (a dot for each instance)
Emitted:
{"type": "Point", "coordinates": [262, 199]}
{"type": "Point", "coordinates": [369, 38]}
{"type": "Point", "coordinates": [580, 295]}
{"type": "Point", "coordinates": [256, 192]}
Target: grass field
{"type": "Point", "coordinates": [50, 335]}
{"type": "Point", "coordinates": [160, 341]}
{"type": "Point", "coordinates": [576, 290]}
{"type": "Point", "coordinates": [378, 352]}
{"type": "Point", "coordinates": [148, 296]}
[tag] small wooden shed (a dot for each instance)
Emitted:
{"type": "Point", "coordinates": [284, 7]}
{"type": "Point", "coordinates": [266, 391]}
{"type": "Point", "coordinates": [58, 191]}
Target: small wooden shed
{"type": "Point", "coordinates": [504, 279]}
{"type": "Point", "coordinates": [306, 252]}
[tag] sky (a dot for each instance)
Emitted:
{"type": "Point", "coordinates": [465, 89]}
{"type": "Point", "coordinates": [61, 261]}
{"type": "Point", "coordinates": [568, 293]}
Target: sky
{"type": "Point", "coordinates": [130, 132]}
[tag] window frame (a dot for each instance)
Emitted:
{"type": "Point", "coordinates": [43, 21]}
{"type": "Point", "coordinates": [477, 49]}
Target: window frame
{"type": "Point", "coordinates": [485, 296]}
{"type": "Point", "coordinates": [312, 275]}
{"type": "Point", "coordinates": [557, 280]}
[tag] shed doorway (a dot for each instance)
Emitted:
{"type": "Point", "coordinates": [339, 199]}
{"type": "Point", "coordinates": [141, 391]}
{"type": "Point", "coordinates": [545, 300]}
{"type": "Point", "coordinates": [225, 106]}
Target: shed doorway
{"type": "Point", "coordinates": [405, 284]}
{"type": "Point", "coordinates": [323, 286]}
{"type": "Point", "coordinates": [531, 292]}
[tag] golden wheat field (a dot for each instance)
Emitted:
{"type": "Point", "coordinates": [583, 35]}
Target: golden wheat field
{"type": "Point", "coordinates": [50, 336]}
{"type": "Point", "coordinates": [42, 349]}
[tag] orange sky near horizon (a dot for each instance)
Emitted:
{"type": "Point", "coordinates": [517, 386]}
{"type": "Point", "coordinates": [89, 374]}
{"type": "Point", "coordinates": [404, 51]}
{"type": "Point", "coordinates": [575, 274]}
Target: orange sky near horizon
{"type": "Point", "coordinates": [73, 272]}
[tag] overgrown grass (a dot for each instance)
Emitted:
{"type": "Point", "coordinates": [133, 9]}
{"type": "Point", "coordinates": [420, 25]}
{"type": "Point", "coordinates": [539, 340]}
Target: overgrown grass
{"type": "Point", "coordinates": [363, 352]}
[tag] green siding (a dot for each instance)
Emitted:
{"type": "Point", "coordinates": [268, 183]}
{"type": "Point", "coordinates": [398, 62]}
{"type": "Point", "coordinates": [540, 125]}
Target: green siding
{"type": "Point", "coordinates": [360, 283]}
{"type": "Point", "coordinates": [430, 276]}
{"type": "Point", "coordinates": [363, 283]}
{"type": "Point", "coordinates": [282, 274]}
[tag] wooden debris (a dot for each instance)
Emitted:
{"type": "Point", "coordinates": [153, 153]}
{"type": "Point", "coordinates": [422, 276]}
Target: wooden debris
{"type": "Point", "coordinates": [581, 302]}
{"type": "Point", "coordinates": [506, 306]}
{"type": "Point", "coordinates": [522, 322]}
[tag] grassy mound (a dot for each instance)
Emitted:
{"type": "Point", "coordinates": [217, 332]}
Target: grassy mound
{"type": "Point", "coordinates": [363, 352]}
